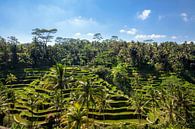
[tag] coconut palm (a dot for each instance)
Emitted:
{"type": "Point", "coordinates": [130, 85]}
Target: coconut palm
{"type": "Point", "coordinates": [153, 99]}
{"type": "Point", "coordinates": [74, 118]}
{"type": "Point", "coordinates": [176, 101]}
{"type": "Point", "coordinates": [184, 102]}
{"type": "Point", "coordinates": [168, 97]}
{"type": "Point", "coordinates": [103, 103]}
{"type": "Point", "coordinates": [139, 103]}
{"type": "Point", "coordinates": [57, 78]}
{"type": "Point", "coordinates": [89, 93]}
{"type": "Point", "coordinates": [168, 106]}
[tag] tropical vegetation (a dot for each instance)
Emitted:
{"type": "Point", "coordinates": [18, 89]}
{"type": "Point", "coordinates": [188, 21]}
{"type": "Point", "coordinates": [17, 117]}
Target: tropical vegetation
{"type": "Point", "coordinates": [104, 83]}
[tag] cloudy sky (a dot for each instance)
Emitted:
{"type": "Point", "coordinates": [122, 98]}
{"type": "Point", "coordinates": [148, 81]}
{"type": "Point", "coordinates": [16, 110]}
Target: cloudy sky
{"type": "Point", "coordinates": [160, 20]}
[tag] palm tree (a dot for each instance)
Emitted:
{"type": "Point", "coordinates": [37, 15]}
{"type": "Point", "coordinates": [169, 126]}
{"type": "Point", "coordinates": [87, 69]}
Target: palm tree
{"type": "Point", "coordinates": [184, 102]}
{"type": "Point", "coordinates": [75, 117]}
{"type": "Point", "coordinates": [138, 102]}
{"type": "Point", "coordinates": [89, 93]}
{"type": "Point", "coordinates": [168, 106]}
{"type": "Point", "coordinates": [57, 77]}
{"type": "Point", "coordinates": [176, 101]}
{"type": "Point", "coordinates": [153, 99]}
{"type": "Point", "coordinates": [168, 98]}
{"type": "Point", "coordinates": [103, 104]}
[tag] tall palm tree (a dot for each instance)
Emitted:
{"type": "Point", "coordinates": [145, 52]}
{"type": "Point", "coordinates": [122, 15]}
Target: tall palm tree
{"type": "Point", "coordinates": [103, 103]}
{"type": "Point", "coordinates": [138, 102]}
{"type": "Point", "coordinates": [184, 102]}
{"type": "Point", "coordinates": [57, 78]}
{"type": "Point", "coordinates": [89, 93]}
{"type": "Point", "coordinates": [153, 99]}
{"type": "Point", "coordinates": [168, 106]}
{"type": "Point", "coordinates": [75, 117]}
{"type": "Point", "coordinates": [169, 88]}
{"type": "Point", "coordinates": [176, 101]}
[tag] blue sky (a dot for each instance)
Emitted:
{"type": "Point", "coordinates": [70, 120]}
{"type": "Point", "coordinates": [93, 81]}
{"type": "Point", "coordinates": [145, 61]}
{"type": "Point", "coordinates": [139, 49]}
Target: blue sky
{"type": "Point", "coordinates": [161, 20]}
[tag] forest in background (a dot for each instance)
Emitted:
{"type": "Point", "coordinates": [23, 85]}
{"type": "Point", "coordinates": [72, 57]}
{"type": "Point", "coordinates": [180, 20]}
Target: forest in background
{"type": "Point", "coordinates": [167, 56]}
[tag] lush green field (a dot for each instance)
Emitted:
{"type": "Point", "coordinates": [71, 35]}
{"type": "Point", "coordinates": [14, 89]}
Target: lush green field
{"type": "Point", "coordinates": [34, 100]}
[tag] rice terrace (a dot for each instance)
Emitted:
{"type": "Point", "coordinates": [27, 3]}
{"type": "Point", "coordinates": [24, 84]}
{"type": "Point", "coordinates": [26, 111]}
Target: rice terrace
{"type": "Point", "coordinates": [96, 64]}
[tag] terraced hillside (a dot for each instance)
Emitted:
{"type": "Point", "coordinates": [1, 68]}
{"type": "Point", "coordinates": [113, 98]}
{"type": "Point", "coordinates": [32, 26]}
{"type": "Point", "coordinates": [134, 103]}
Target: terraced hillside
{"type": "Point", "coordinates": [35, 104]}
{"type": "Point", "coordinates": [20, 86]}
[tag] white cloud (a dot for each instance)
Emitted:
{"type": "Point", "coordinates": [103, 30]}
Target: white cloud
{"type": "Point", "coordinates": [184, 14]}
{"type": "Point", "coordinates": [80, 21]}
{"type": "Point", "coordinates": [174, 37]}
{"type": "Point", "coordinates": [84, 25]}
{"type": "Point", "coordinates": [144, 15]}
{"type": "Point", "coordinates": [152, 36]}
{"type": "Point", "coordinates": [122, 31]}
{"type": "Point", "coordinates": [184, 17]}
{"type": "Point", "coordinates": [77, 34]}
{"type": "Point", "coordinates": [131, 31]}
{"type": "Point", "coordinates": [89, 34]}
{"type": "Point", "coordinates": [189, 42]}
